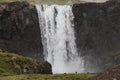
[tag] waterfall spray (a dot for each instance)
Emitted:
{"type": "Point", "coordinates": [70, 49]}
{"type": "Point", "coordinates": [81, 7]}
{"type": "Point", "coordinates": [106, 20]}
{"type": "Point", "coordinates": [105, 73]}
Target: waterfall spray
{"type": "Point", "coordinates": [56, 25]}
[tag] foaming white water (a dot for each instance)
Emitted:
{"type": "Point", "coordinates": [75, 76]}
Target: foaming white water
{"type": "Point", "coordinates": [56, 24]}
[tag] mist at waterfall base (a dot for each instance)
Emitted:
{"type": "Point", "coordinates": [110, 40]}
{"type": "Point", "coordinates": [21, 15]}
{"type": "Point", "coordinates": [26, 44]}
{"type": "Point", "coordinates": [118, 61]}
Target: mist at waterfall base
{"type": "Point", "coordinates": [57, 32]}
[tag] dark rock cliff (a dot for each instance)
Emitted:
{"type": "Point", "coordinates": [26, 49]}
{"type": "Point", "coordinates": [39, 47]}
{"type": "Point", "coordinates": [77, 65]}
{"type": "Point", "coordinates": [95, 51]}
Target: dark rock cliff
{"type": "Point", "coordinates": [19, 29]}
{"type": "Point", "coordinates": [97, 28]}
{"type": "Point", "coordinates": [97, 31]}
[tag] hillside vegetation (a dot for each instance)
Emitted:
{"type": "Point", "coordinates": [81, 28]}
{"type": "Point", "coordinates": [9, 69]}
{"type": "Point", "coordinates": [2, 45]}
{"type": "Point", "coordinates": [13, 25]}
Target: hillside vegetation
{"type": "Point", "coordinates": [16, 64]}
{"type": "Point", "coordinates": [11, 64]}
{"type": "Point", "coordinates": [47, 77]}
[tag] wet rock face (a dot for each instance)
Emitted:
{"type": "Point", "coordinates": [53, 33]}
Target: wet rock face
{"type": "Point", "coordinates": [97, 28]}
{"type": "Point", "coordinates": [19, 29]}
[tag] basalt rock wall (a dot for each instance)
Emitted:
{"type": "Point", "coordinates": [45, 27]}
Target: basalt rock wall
{"type": "Point", "coordinates": [97, 30]}
{"type": "Point", "coordinates": [19, 29]}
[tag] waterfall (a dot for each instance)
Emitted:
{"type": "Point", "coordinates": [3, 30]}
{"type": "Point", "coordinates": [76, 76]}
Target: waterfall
{"type": "Point", "coordinates": [56, 25]}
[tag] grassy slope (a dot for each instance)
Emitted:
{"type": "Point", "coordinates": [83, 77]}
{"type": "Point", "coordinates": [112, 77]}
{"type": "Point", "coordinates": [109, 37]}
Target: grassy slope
{"type": "Point", "coordinates": [47, 77]}
{"type": "Point", "coordinates": [10, 63]}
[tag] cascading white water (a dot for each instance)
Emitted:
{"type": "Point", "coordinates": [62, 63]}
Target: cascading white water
{"type": "Point", "coordinates": [56, 24]}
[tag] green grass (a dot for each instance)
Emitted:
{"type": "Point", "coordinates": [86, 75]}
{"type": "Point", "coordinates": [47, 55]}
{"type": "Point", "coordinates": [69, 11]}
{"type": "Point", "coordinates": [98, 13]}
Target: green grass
{"type": "Point", "coordinates": [47, 77]}
{"type": "Point", "coordinates": [11, 63]}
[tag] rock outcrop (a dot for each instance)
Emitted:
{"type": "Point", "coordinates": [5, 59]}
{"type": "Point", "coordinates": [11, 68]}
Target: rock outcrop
{"type": "Point", "coordinates": [45, 68]}
{"type": "Point", "coordinates": [19, 29]}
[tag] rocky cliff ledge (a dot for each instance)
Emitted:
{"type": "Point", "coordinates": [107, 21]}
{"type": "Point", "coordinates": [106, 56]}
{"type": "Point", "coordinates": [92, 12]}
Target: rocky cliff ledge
{"type": "Point", "coordinates": [19, 29]}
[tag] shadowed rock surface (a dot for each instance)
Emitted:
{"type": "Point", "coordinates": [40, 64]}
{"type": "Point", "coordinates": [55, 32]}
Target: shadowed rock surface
{"type": "Point", "coordinates": [19, 29]}
{"type": "Point", "coordinates": [97, 28]}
